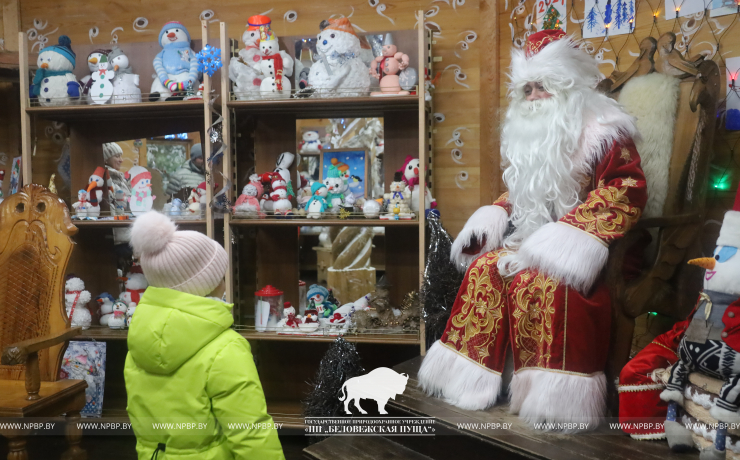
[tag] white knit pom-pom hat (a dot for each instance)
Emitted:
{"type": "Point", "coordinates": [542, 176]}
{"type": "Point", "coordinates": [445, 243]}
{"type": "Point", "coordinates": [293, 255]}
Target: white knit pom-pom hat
{"type": "Point", "coordinates": [186, 261]}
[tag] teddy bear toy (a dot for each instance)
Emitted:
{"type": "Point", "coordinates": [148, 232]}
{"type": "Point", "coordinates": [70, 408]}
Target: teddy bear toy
{"type": "Point", "coordinates": [339, 72]}
{"type": "Point", "coordinates": [310, 143]}
{"type": "Point", "coordinates": [54, 82]}
{"type": "Point", "coordinates": [387, 68]}
{"type": "Point", "coordinates": [399, 200]}
{"type": "Point", "coordinates": [126, 82]}
{"type": "Point", "coordinates": [245, 69]}
{"type": "Point", "coordinates": [176, 65]}
{"type": "Point", "coordinates": [276, 67]}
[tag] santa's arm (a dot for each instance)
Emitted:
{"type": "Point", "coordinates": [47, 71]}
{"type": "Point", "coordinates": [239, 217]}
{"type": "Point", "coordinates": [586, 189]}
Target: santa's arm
{"type": "Point", "coordinates": [483, 232]}
{"type": "Point", "coordinates": [575, 249]}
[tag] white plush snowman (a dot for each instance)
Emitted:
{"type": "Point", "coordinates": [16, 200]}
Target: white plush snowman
{"type": "Point", "coordinates": [129, 313]}
{"type": "Point", "coordinates": [135, 284]}
{"type": "Point", "coordinates": [93, 60]}
{"type": "Point", "coordinates": [102, 87]}
{"type": "Point", "coordinates": [125, 83]}
{"type": "Point", "coordinates": [118, 320]}
{"type": "Point", "coordinates": [339, 71]}
{"type": "Point", "coordinates": [141, 199]}
{"type": "Point", "coordinates": [279, 195]}
{"type": "Point", "coordinates": [310, 143]}
{"type": "Point", "coordinates": [105, 301]}
{"type": "Point", "coordinates": [82, 205]}
{"type": "Point", "coordinates": [244, 70]}
{"type": "Point", "coordinates": [176, 65]}
{"type": "Point", "coordinates": [276, 67]}
{"type": "Point", "coordinates": [335, 185]}
{"type": "Point", "coordinates": [411, 177]}
{"type": "Point", "coordinates": [75, 302]}
{"type": "Point", "coordinates": [54, 83]}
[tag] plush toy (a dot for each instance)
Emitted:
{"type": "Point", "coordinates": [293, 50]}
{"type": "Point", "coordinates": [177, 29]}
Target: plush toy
{"type": "Point", "coordinates": [248, 202]}
{"type": "Point", "coordinates": [118, 319]}
{"type": "Point", "coordinates": [141, 199]}
{"type": "Point", "coordinates": [399, 200]}
{"type": "Point", "coordinates": [267, 179]}
{"type": "Point", "coordinates": [387, 68]}
{"type": "Point", "coordinates": [176, 207]}
{"type": "Point", "coordinates": [54, 82]}
{"type": "Point", "coordinates": [125, 83]}
{"type": "Point", "coordinates": [317, 204]}
{"type": "Point", "coordinates": [75, 302]}
{"type": "Point", "coordinates": [244, 70]}
{"type": "Point", "coordinates": [82, 205]}
{"type": "Point", "coordinates": [105, 301]}
{"type": "Point", "coordinates": [279, 195]}
{"type": "Point", "coordinates": [289, 320]}
{"type": "Point", "coordinates": [276, 67]}
{"type": "Point", "coordinates": [93, 60]}
{"type": "Point", "coordinates": [339, 71]}
{"type": "Point", "coordinates": [284, 161]}
{"type": "Point", "coordinates": [101, 89]}
{"type": "Point", "coordinates": [176, 65]}
{"type": "Point", "coordinates": [119, 202]}
{"type": "Point", "coordinates": [711, 344]}
{"type": "Point", "coordinates": [371, 209]}
{"type": "Point", "coordinates": [310, 143]}
{"type": "Point", "coordinates": [334, 185]}
{"type": "Point", "coordinates": [410, 172]}
{"type": "Point", "coordinates": [197, 199]}
{"type": "Point", "coordinates": [130, 313]}
{"type": "Point", "coordinates": [135, 284]}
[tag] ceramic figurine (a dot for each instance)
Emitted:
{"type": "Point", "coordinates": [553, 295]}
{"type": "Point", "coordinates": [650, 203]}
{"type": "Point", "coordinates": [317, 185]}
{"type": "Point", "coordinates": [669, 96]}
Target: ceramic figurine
{"type": "Point", "coordinates": [105, 301]}
{"type": "Point", "coordinates": [75, 302]}
{"type": "Point", "coordinates": [276, 67]}
{"type": "Point", "coordinates": [247, 203]}
{"type": "Point", "coordinates": [339, 70]}
{"type": "Point", "coordinates": [317, 204]}
{"type": "Point", "coordinates": [82, 205]}
{"type": "Point", "coordinates": [711, 344]}
{"type": "Point", "coordinates": [118, 319]}
{"type": "Point", "coordinates": [371, 209]}
{"type": "Point", "coordinates": [387, 68]}
{"type": "Point", "coordinates": [399, 200]}
{"type": "Point", "coordinates": [135, 284]}
{"type": "Point", "coordinates": [176, 65]}
{"type": "Point", "coordinates": [244, 69]}
{"type": "Point", "coordinates": [411, 178]}
{"type": "Point", "coordinates": [54, 82]}
{"type": "Point", "coordinates": [310, 143]}
{"type": "Point", "coordinates": [126, 82]}
{"type": "Point", "coordinates": [130, 313]}
{"type": "Point", "coordinates": [334, 185]}
{"type": "Point", "coordinates": [101, 89]}
{"type": "Point", "coordinates": [141, 199]}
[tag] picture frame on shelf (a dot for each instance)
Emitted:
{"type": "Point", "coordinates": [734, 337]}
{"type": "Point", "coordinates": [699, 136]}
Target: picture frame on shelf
{"type": "Point", "coordinates": [354, 163]}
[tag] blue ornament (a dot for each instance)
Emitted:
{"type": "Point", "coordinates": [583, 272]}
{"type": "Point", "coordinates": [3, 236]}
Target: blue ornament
{"type": "Point", "coordinates": [209, 60]}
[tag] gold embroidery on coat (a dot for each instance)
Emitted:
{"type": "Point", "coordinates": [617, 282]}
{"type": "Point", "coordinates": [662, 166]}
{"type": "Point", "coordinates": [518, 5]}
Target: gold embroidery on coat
{"type": "Point", "coordinates": [607, 213]}
{"type": "Point", "coordinates": [533, 316]}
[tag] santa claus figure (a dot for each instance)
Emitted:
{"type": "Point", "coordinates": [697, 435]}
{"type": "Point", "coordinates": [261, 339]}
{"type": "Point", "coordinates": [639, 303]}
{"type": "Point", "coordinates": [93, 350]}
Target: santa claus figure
{"type": "Point", "coordinates": [535, 257]}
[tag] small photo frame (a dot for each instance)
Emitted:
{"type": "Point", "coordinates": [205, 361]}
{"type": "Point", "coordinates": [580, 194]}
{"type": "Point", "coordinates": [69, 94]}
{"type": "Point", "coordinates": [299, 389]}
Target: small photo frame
{"type": "Point", "coordinates": [353, 163]}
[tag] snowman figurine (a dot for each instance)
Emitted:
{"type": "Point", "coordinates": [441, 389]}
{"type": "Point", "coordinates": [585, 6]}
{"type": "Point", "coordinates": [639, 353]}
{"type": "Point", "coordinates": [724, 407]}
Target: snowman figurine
{"type": "Point", "coordinates": [118, 320]}
{"type": "Point", "coordinates": [125, 83]}
{"type": "Point", "coordinates": [54, 82]}
{"type": "Point", "coordinates": [82, 205]}
{"type": "Point", "coordinates": [399, 200]}
{"type": "Point", "coordinates": [141, 199]}
{"type": "Point", "coordinates": [334, 184]}
{"type": "Point", "coordinates": [276, 67]}
{"type": "Point", "coordinates": [411, 178]}
{"type": "Point", "coordinates": [105, 301]}
{"type": "Point", "coordinates": [339, 71]}
{"type": "Point", "coordinates": [96, 184]}
{"type": "Point", "coordinates": [93, 59]}
{"type": "Point", "coordinates": [134, 284]}
{"type": "Point", "coordinates": [310, 143]}
{"type": "Point", "coordinates": [317, 204]}
{"type": "Point", "coordinates": [176, 65]}
{"type": "Point", "coordinates": [711, 344]}
{"type": "Point", "coordinates": [279, 195]}
{"type": "Point", "coordinates": [387, 68]}
{"type": "Point", "coordinates": [130, 313]}
{"type": "Point", "coordinates": [244, 69]}
{"type": "Point", "coordinates": [101, 89]}
{"type": "Point", "coordinates": [75, 302]}
{"type": "Point", "coordinates": [248, 204]}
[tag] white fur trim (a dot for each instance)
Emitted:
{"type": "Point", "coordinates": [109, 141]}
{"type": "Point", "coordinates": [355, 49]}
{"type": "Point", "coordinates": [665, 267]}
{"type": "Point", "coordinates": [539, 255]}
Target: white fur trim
{"type": "Point", "coordinates": [490, 221]}
{"type": "Point", "coordinates": [724, 415]}
{"type": "Point", "coordinates": [672, 395]}
{"type": "Point", "coordinates": [447, 374]}
{"type": "Point", "coordinates": [729, 233]}
{"type": "Point", "coordinates": [639, 388]}
{"type": "Point", "coordinates": [604, 123]}
{"type": "Point", "coordinates": [566, 253]}
{"type": "Point", "coordinates": [648, 437]}
{"type": "Point", "coordinates": [552, 397]}
{"type": "Point", "coordinates": [653, 100]}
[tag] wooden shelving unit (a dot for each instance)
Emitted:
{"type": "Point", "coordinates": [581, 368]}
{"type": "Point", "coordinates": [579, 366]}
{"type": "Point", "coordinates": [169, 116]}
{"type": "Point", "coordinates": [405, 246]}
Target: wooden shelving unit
{"type": "Point", "coordinates": [303, 222]}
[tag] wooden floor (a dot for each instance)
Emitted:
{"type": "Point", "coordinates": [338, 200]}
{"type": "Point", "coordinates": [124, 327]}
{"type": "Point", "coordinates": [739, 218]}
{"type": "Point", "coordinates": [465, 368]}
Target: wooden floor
{"type": "Point", "coordinates": [520, 441]}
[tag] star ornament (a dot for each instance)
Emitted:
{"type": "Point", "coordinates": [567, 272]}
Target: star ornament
{"type": "Point", "coordinates": [344, 214]}
{"type": "Point", "coordinates": [629, 182]}
{"type": "Point", "coordinates": [209, 60]}
{"type": "Point", "coordinates": [626, 155]}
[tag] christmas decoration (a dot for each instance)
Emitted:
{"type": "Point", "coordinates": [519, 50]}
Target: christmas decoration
{"type": "Point", "coordinates": [398, 200]}
{"type": "Point", "coordinates": [54, 82]}
{"type": "Point", "coordinates": [75, 302]}
{"type": "Point", "coordinates": [335, 185]}
{"type": "Point", "coordinates": [248, 205]}
{"type": "Point", "coordinates": [310, 143]}
{"type": "Point", "coordinates": [141, 199]}
{"type": "Point", "coordinates": [317, 203]}
{"type": "Point", "coordinates": [93, 61]}
{"type": "Point", "coordinates": [82, 206]}
{"type": "Point", "coordinates": [244, 69]}
{"type": "Point", "coordinates": [176, 65]}
{"type": "Point", "coordinates": [340, 363]}
{"type": "Point", "coordinates": [387, 68]}
{"type": "Point", "coordinates": [118, 320]}
{"type": "Point", "coordinates": [125, 83]}
{"type": "Point", "coordinates": [410, 172]}
{"type": "Point", "coordinates": [276, 67]}
{"type": "Point", "coordinates": [101, 90]}
{"type": "Point", "coordinates": [209, 60]}
{"type": "Point", "coordinates": [441, 282]}
{"type": "Point", "coordinates": [105, 301]}
{"type": "Point", "coordinates": [344, 213]}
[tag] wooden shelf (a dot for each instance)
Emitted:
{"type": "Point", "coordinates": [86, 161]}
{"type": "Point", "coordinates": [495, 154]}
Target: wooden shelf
{"type": "Point", "coordinates": [120, 112]}
{"type": "Point", "coordinates": [103, 333]}
{"type": "Point", "coordinates": [391, 339]}
{"type": "Point", "coordinates": [303, 222]}
{"type": "Point", "coordinates": [328, 107]}
{"type": "Point", "coordinates": [126, 223]}
{"type": "Point", "coordinates": [288, 413]}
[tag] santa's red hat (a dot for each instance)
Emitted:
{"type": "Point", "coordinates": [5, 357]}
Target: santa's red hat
{"type": "Point", "coordinates": [729, 233]}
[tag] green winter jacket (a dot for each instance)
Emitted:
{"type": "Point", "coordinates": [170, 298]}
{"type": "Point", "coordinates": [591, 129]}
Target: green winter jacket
{"type": "Point", "coordinates": [186, 176]}
{"type": "Point", "coordinates": [188, 377]}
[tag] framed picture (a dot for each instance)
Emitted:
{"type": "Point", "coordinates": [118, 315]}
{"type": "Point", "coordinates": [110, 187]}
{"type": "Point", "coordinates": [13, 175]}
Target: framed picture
{"type": "Point", "coordinates": [15, 175]}
{"type": "Point", "coordinates": [352, 163]}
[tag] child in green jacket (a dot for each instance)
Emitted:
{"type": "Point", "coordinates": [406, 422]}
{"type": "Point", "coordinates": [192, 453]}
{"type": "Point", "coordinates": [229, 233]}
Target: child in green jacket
{"type": "Point", "coordinates": [193, 389]}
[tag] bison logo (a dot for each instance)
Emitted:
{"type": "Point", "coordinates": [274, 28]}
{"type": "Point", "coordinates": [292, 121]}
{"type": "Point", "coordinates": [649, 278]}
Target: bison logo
{"type": "Point", "coordinates": [381, 385]}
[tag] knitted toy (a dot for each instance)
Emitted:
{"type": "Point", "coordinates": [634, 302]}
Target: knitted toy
{"type": "Point", "coordinates": [399, 200]}
{"type": "Point", "coordinates": [176, 65]}
{"type": "Point", "coordinates": [75, 301]}
{"type": "Point", "coordinates": [310, 143]}
{"type": "Point", "coordinates": [410, 172]}
{"type": "Point", "coordinates": [339, 72]}
{"type": "Point", "coordinates": [276, 67]}
{"type": "Point", "coordinates": [248, 202]}
{"type": "Point", "coordinates": [93, 60]}
{"type": "Point", "coordinates": [244, 70]}
{"type": "Point", "coordinates": [317, 204]}
{"type": "Point", "coordinates": [125, 83]}
{"type": "Point", "coordinates": [101, 89]}
{"type": "Point", "coordinates": [54, 82]}
{"type": "Point", "coordinates": [712, 341]}
{"type": "Point", "coordinates": [335, 185]}
{"type": "Point", "coordinates": [141, 199]}
{"type": "Point", "coordinates": [387, 68]}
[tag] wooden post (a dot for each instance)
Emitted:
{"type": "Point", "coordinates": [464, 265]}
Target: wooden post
{"type": "Point", "coordinates": [207, 120]}
{"type": "Point", "coordinates": [423, 158]}
{"type": "Point", "coordinates": [11, 25]}
{"type": "Point", "coordinates": [26, 147]}
{"type": "Point", "coordinates": [228, 160]}
{"type": "Point", "coordinates": [490, 159]}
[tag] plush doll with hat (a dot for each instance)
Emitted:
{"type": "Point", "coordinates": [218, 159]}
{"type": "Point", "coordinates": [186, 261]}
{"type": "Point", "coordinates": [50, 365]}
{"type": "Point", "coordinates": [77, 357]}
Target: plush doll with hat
{"type": "Point", "coordinates": [176, 65]}
{"type": "Point", "coordinates": [54, 82]}
{"type": "Point", "coordinates": [126, 82]}
{"type": "Point", "coordinates": [387, 68]}
{"type": "Point", "coordinates": [93, 61]}
{"type": "Point", "coordinates": [99, 180]}
{"type": "Point", "coordinates": [712, 341]}
{"type": "Point", "coordinates": [248, 203]}
{"type": "Point", "coordinates": [276, 67]}
{"type": "Point", "coordinates": [335, 185]}
{"type": "Point", "coordinates": [339, 71]}
{"type": "Point", "coordinates": [317, 203]}
{"type": "Point", "coordinates": [244, 69]}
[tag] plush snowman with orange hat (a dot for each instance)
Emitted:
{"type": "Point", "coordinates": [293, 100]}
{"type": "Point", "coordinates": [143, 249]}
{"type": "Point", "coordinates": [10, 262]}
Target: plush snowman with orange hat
{"type": "Point", "coordinates": [141, 199]}
{"type": "Point", "coordinates": [339, 71]}
{"type": "Point", "coordinates": [712, 341]}
{"type": "Point", "coordinates": [95, 186]}
{"type": "Point", "coordinates": [244, 69]}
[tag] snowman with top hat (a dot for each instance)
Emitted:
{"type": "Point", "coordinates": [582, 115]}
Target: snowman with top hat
{"type": "Point", "coordinates": [54, 82]}
{"type": "Point", "coordinates": [244, 69]}
{"type": "Point", "coordinates": [176, 65]}
{"type": "Point", "coordinates": [711, 344]}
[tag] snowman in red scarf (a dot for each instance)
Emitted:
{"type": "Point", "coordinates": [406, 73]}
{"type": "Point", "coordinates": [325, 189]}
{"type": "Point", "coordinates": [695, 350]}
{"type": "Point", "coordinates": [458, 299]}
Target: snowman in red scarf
{"type": "Point", "coordinates": [276, 67]}
{"type": "Point", "coordinates": [135, 284]}
{"type": "Point", "coordinates": [75, 302]}
{"type": "Point", "coordinates": [411, 178]}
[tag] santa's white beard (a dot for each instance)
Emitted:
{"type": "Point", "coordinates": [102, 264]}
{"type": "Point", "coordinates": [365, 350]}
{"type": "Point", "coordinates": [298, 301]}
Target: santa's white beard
{"type": "Point", "coordinates": [538, 143]}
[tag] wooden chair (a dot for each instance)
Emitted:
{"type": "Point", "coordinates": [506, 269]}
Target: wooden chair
{"type": "Point", "coordinates": [666, 284]}
{"type": "Point", "coordinates": [35, 246]}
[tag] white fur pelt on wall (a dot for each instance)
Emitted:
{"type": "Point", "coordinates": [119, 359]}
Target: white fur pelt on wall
{"type": "Point", "coordinates": [653, 100]}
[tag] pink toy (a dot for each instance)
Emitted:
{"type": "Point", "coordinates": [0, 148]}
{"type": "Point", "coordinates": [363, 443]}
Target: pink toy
{"type": "Point", "coordinates": [388, 67]}
{"type": "Point", "coordinates": [248, 203]}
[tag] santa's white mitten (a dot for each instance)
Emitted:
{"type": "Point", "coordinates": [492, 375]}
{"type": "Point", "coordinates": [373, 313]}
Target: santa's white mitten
{"type": "Point", "coordinates": [482, 233]}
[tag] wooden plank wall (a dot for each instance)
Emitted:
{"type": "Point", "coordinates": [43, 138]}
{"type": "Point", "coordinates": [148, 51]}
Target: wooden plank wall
{"type": "Point", "coordinates": [457, 98]}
